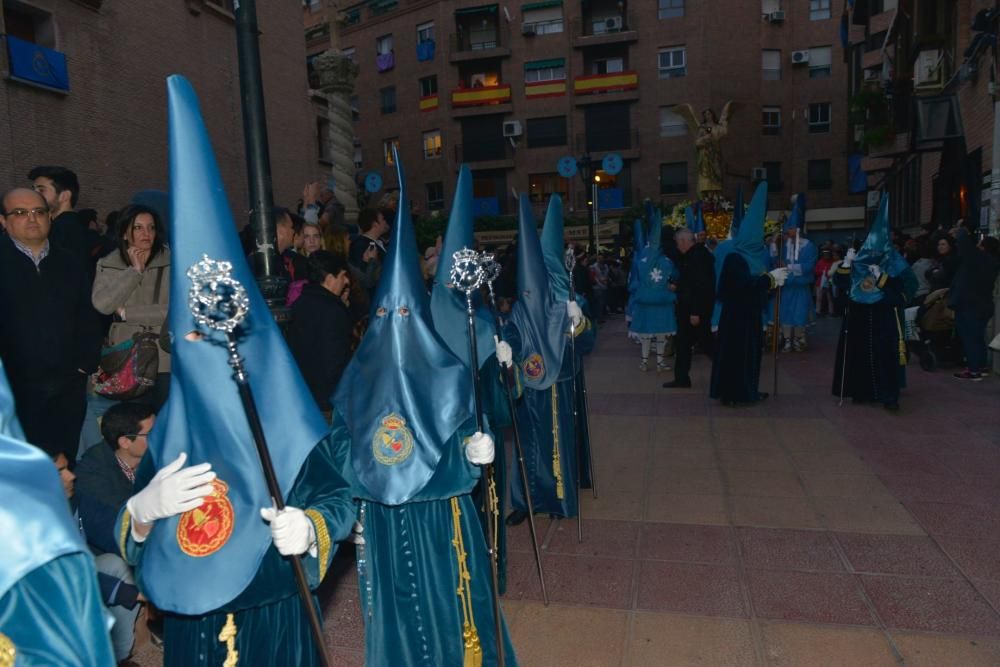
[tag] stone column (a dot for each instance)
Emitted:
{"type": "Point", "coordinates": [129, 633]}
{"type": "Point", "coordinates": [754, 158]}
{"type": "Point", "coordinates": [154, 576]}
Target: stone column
{"type": "Point", "coordinates": [336, 81]}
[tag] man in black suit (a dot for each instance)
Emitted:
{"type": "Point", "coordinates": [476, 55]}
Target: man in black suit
{"type": "Point", "coordinates": [695, 300]}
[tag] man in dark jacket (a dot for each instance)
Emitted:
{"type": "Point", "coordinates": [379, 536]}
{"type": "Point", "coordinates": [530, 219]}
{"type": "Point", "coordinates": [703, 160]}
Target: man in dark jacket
{"type": "Point", "coordinates": [60, 189]}
{"type": "Point", "coordinates": [320, 333]}
{"type": "Point", "coordinates": [695, 300]}
{"type": "Point", "coordinates": [971, 297]}
{"type": "Point", "coordinates": [50, 334]}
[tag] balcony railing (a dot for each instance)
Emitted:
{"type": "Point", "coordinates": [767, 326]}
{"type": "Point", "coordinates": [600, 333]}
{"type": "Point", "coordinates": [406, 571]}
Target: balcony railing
{"type": "Point", "coordinates": [489, 149]}
{"type": "Point", "coordinates": [482, 96]}
{"type": "Point", "coordinates": [608, 30]}
{"type": "Point", "coordinates": [464, 45]}
{"type": "Point", "coordinates": [604, 140]}
{"type": "Point", "coordinates": [614, 82]}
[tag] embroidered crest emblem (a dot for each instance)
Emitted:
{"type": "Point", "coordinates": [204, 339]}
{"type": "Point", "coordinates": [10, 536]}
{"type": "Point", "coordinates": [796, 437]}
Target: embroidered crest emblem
{"type": "Point", "coordinates": [204, 530]}
{"type": "Point", "coordinates": [656, 275]}
{"type": "Point", "coordinates": [8, 652]}
{"type": "Point", "coordinates": [534, 367]}
{"type": "Point", "coordinates": [393, 441]}
{"type": "Point", "coordinates": [868, 284]}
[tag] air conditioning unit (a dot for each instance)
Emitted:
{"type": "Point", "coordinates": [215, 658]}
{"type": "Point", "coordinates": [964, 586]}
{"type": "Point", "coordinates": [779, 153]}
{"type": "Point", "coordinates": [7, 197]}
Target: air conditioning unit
{"type": "Point", "coordinates": [613, 24]}
{"type": "Point", "coordinates": [928, 71]}
{"type": "Point", "coordinates": [512, 128]}
{"type": "Point", "coordinates": [874, 196]}
{"type": "Point", "coordinates": [776, 17]}
{"type": "Point", "coordinates": [758, 174]}
{"type": "Point", "coordinates": [871, 75]}
{"type": "Point", "coordinates": [528, 29]}
{"type": "Point", "coordinates": [800, 57]}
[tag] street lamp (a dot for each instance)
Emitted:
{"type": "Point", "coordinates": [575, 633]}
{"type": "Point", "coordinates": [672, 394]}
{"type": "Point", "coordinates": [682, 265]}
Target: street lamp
{"type": "Point", "coordinates": [585, 169]}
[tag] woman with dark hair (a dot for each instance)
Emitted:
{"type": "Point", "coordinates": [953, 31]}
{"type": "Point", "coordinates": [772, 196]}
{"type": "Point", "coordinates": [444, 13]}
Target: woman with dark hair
{"type": "Point", "coordinates": [133, 284]}
{"type": "Point", "coordinates": [945, 264]}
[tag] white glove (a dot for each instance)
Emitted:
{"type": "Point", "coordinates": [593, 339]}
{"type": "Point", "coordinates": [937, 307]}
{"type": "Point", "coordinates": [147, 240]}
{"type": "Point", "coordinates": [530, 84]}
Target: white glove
{"type": "Point", "coordinates": [505, 355]}
{"type": "Point", "coordinates": [849, 258]}
{"type": "Point", "coordinates": [479, 449]}
{"type": "Point", "coordinates": [355, 536]}
{"type": "Point", "coordinates": [876, 270]}
{"type": "Point", "coordinates": [173, 490]}
{"type": "Point", "coordinates": [292, 531]}
{"type": "Point", "coordinates": [780, 275]}
{"type": "Point", "coordinates": [574, 312]}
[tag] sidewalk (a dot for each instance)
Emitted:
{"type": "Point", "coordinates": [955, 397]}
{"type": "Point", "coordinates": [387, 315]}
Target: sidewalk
{"type": "Point", "coordinates": [795, 532]}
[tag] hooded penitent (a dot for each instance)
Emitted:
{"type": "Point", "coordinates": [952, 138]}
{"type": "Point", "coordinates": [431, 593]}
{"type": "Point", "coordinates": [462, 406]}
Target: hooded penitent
{"type": "Point", "coordinates": [397, 427]}
{"type": "Point", "coordinates": [447, 304]}
{"type": "Point", "coordinates": [738, 213]}
{"type": "Point", "coordinates": [877, 249]}
{"type": "Point", "coordinates": [203, 559]}
{"type": "Point", "coordinates": [552, 249]}
{"type": "Point", "coordinates": [539, 316]}
{"type": "Point", "coordinates": [749, 240]}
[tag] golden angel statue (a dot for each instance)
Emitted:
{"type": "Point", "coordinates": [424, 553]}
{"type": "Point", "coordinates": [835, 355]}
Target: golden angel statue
{"type": "Point", "coordinates": [708, 134]}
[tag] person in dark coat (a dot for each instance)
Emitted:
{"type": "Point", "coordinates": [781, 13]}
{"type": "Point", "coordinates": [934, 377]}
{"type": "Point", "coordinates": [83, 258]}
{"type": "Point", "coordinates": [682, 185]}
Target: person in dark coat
{"type": "Point", "coordinates": [743, 288]}
{"type": "Point", "coordinates": [695, 300]}
{"type": "Point", "coordinates": [320, 333]}
{"type": "Point", "coordinates": [50, 334]}
{"type": "Point", "coordinates": [971, 297]}
{"type": "Point", "coordinates": [60, 189]}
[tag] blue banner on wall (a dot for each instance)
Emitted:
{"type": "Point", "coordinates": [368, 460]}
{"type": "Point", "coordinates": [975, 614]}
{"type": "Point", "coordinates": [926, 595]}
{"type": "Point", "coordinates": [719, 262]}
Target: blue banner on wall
{"type": "Point", "coordinates": [37, 64]}
{"type": "Point", "coordinates": [425, 50]}
{"type": "Point", "coordinates": [610, 198]}
{"type": "Point", "coordinates": [486, 206]}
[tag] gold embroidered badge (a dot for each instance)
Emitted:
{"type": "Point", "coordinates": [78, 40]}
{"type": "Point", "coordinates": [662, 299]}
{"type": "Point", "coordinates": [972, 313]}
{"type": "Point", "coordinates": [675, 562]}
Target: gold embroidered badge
{"type": "Point", "coordinates": [204, 530]}
{"type": "Point", "coordinates": [393, 441]}
{"type": "Point", "coordinates": [8, 652]}
{"type": "Point", "coordinates": [534, 367]}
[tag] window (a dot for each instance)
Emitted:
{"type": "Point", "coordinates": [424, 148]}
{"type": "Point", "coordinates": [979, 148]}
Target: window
{"type": "Point", "coordinates": [770, 120]}
{"type": "Point", "coordinates": [432, 145]}
{"type": "Point", "coordinates": [774, 182]}
{"type": "Point", "coordinates": [383, 45]}
{"type": "Point", "coordinates": [435, 195]}
{"type": "Point", "coordinates": [819, 10]}
{"type": "Point", "coordinates": [674, 178]}
{"type": "Point", "coordinates": [820, 62]}
{"type": "Point", "coordinates": [387, 97]}
{"type": "Point", "coordinates": [770, 6]}
{"type": "Point", "coordinates": [387, 146]}
{"type": "Point", "coordinates": [770, 64]}
{"type": "Point", "coordinates": [671, 9]}
{"type": "Point", "coordinates": [323, 137]}
{"type": "Point", "coordinates": [607, 127]}
{"type": "Point", "coordinates": [543, 132]}
{"type": "Point", "coordinates": [672, 124]}
{"type": "Point", "coordinates": [608, 65]}
{"type": "Point", "coordinates": [819, 118]}
{"type": "Point", "coordinates": [350, 53]}
{"type": "Point", "coordinates": [819, 175]}
{"type": "Point", "coordinates": [542, 20]}
{"type": "Point", "coordinates": [29, 24]}
{"type": "Point", "coordinates": [545, 70]}
{"type": "Point", "coordinates": [673, 63]}
{"type": "Point", "coordinates": [428, 86]}
{"type": "Point", "coordinates": [543, 186]}
{"type": "Point", "coordinates": [425, 32]}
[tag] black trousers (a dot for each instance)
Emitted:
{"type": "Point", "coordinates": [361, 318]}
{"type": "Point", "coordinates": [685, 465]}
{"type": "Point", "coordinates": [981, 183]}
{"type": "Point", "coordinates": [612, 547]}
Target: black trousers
{"type": "Point", "coordinates": [687, 336]}
{"type": "Point", "coordinates": [52, 416]}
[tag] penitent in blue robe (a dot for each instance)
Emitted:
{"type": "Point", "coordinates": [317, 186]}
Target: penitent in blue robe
{"type": "Point", "coordinates": [409, 569]}
{"type": "Point", "coordinates": [797, 292]}
{"type": "Point", "coordinates": [653, 301]}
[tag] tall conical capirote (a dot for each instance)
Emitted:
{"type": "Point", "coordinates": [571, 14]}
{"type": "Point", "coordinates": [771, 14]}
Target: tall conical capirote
{"type": "Point", "coordinates": [738, 212]}
{"type": "Point", "coordinates": [448, 307]}
{"type": "Point", "coordinates": [877, 249]}
{"type": "Point", "coordinates": [749, 240]}
{"type": "Point", "coordinates": [539, 316]}
{"type": "Point", "coordinates": [403, 379]}
{"type": "Point", "coordinates": [654, 226]}
{"type": "Point", "coordinates": [204, 416]}
{"type": "Point", "coordinates": [553, 248]}
{"type": "Point", "coordinates": [797, 219]}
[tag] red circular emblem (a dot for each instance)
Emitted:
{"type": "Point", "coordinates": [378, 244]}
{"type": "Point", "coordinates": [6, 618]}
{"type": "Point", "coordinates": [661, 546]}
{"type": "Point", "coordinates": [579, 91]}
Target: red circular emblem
{"type": "Point", "coordinates": [203, 530]}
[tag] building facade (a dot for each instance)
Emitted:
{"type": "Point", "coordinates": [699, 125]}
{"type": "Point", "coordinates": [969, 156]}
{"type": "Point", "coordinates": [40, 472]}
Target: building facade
{"type": "Point", "coordinates": [85, 87]}
{"type": "Point", "coordinates": [511, 89]}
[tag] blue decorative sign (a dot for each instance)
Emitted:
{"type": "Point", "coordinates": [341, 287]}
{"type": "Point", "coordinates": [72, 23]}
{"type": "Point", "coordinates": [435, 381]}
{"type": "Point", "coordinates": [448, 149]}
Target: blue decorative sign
{"type": "Point", "coordinates": [485, 206]}
{"type": "Point", "coordinates": [612, 164]}
{"type": "Point", "coordinates": [37, 64]}
{"type": "Point", "coordinates": [373, 182]}
{"type": "Point", "coordinates": [610, 198]}
{"type": "Point", "coordinates": [566, 166]}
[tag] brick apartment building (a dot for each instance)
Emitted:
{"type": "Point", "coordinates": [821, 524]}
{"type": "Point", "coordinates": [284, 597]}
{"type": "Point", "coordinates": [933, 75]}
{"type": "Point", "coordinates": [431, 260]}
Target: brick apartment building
{"type": "Point", "coordinates": [84, 86]}
{"type": "Point", "coordinates": [921, 85]}
{"type": "Point", "coordinates": [444, 80]}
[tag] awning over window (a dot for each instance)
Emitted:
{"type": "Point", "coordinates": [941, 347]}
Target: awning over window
{"type": "Point", "coordinates": [469, 11]}
{"type": "Point", "coordinates": [545, 64]}
{"type": "Point", "coordinates": [541, 5]}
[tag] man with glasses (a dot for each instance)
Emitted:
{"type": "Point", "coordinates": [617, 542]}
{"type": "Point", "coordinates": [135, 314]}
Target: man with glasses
{"type": "Point", "coordinates": [50, 334]}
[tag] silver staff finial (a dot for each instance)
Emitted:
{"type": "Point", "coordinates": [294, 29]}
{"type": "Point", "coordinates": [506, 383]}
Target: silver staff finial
{"type": "Point", "coordinates": [569, 259]}
{"type": "Point", "coordinates": [216, 299]}
{"type": "Point", "coordinates": [466, 271]}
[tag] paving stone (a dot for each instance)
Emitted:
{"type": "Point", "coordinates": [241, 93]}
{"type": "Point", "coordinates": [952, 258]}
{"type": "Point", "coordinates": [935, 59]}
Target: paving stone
{"type": "Point", "coordinates": [927, 650]}
{"type": "Point", "coordinates": [689, 543]}
{"type": "Point", "coordinates": [937, 605]}
{"type": "Point", "coordinates": [758, 483]}
{"type": "Point", "coordinates": [774, 512]}
{"type": "Point", "coordinates": [798, 644]}
{"type": "Point", "coordinates": [768, 548]}
{"type": "Point", "coordinates": [709, 590]}
{"type": "Point", "coordinates": [895, 554]}
{"type": "Point", "coordinates": [565, 635]}
{"type": "Point", "coordinates": [689, 641]}
{"type": "Point", "coordinates": [808, 596]}
{"type": "Point", "coordinates": [866, 515]}
{"type": "Point", "coordinates": [685, 507]}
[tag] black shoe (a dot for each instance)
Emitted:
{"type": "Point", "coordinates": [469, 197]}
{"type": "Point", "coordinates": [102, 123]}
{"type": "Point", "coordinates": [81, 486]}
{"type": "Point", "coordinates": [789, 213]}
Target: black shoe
{"type": "Point", "coordinates": [516, 517]}
{"type": "Point", "coordinates": [677, 384]}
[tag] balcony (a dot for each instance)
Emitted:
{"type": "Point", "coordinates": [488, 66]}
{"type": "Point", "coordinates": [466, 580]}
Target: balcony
{"type": "Point", "coordinates": [475, 45]}
{"type": "Point", "coordinates": [600, 142]}
{"type": "Point", "coordinates": [611, 87]}
{"type": "Point", "coordinates": [483, 96]}
{"type": "Point", "coordinates": [488, 153]}
{"type": "Point", "coordinates": [616, 29]}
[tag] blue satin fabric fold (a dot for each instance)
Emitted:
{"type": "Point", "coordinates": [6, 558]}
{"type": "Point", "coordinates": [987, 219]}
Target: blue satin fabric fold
{"type": "Point", "coordinates": [877, 249]}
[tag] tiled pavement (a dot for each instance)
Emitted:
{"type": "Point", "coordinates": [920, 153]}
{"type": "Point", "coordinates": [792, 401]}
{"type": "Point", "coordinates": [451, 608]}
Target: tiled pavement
{"type": "Point", "coordinates": [796, 532]}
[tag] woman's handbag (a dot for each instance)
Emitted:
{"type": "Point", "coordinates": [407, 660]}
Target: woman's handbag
{"type": "Point", "coordinates": [128, 370]}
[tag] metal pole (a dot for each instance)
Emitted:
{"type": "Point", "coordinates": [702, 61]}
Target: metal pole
{"type": "Point", "coordinates": [843, 365]}
{"type": "Point", "coordinates": [265, 256]}
{"type": "Point", "coordinates": [776, 336]}
{"type": "Point", "coordinates": [584, 165]}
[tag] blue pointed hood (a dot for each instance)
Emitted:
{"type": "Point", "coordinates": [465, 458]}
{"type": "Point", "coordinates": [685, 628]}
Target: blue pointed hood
{"type": "Point", "coordinates": [749, 240]}
{"type": "Point", "coordinates": [877, 249]}
{"type": "Point", "coordinates": [398, 426]}
{"type": "Point", "coordinates": [447, 303]}
{"type": "Point", "coordinates": [34, 516]}
{"type": "Point", "coordinates": [203, 415]}
{"type": "Point", "coordinates": [738, 212]}
{"type": "Point", "coordinates": [797, 220]}
{"type": "Point", "coordinates": [539, 316]}
{"type": "Point", "coordinates": [694, 219]}
{"type": "Point", "coordinates": [552, 249]}
{"type": "Point", "coordinates": [654, 225]}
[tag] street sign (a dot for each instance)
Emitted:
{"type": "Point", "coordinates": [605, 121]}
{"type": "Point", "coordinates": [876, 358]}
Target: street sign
{"type": "Point", "coordinates": [566, 166]}
{"type": "Point", "coordinates": [612, 164]}
{"type": "Point", "coordinates": [373, 182]}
